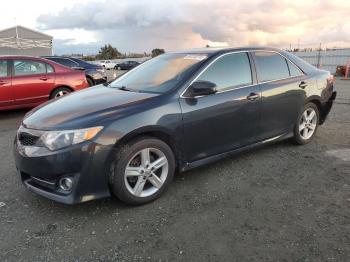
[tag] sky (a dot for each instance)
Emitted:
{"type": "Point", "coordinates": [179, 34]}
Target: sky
{"type": "Point", "coordinates": [83, 26]}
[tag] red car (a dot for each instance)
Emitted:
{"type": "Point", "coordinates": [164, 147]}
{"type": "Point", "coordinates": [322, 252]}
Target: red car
{"type": "Point", "coordinates": [29, 81]}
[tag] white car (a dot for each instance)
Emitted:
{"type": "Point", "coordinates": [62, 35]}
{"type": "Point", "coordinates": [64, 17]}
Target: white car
{"type": "Point", "coordinates": [107, 64]}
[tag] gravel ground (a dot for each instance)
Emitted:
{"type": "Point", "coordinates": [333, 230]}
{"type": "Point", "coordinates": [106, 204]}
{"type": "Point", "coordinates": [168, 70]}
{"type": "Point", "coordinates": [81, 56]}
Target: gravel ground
{"type": "Point", "coordinates": [277, 203]}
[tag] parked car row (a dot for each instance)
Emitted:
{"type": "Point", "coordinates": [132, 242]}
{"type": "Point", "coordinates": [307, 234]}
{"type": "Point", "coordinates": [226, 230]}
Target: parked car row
{"type": "Point", "coordinates": [126, 65]}
{"type": "Point", "coordinates": [29, 81]}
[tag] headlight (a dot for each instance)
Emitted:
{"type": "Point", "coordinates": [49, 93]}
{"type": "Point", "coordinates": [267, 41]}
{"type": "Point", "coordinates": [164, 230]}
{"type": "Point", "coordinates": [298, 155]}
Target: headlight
{"type": "Point", "coordinates": [54, 140]}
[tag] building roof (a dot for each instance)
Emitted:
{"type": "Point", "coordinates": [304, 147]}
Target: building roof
{"type": "Point", "coordinates": [25, 29]}
{"type": "Point", "coordinates": [20, 37]}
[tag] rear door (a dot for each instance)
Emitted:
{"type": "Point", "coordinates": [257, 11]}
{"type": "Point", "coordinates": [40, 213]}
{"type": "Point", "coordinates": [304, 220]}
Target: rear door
{"type": "Point", "coordinates": [226, 120]}
{"type": "Point", "coordinates": [283, 86]}
{"type": "Point", "coordinates": [6, 92]}
{"type": "Point", "coordinates": [30, 81]}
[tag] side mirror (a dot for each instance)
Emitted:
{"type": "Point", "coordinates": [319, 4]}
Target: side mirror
{"type": "Point", "coordinates": [202, 88]}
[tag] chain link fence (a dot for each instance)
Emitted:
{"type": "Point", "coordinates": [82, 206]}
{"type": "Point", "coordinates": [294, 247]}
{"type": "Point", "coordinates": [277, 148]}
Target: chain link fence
{"type": "Point", "coordinates": [326, 59]}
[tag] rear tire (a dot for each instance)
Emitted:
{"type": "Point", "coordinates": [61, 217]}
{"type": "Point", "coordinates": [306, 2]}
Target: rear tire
{"type": "Point", "coordinates": [306, 125]}
{"type": "Point", "coordinates": [61, 91]}
{"type": "Point", "coordinates": [90, 82]}
{"type": "Point", "coordinates": [142, 170]}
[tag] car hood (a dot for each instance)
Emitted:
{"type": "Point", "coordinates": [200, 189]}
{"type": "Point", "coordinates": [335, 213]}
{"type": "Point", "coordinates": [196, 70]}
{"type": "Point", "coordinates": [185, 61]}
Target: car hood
{"type": "Point", "coordinates": [85, 108]}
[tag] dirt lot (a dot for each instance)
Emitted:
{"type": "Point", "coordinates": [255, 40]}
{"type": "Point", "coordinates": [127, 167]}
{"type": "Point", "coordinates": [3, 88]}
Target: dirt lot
{"type": "Point", "coordinates": [278, 203]}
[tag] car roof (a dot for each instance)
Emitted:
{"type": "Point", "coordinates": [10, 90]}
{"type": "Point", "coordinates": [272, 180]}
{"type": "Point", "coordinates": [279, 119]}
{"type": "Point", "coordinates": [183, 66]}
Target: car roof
{"type": "Point", "coordinates": [219, 50]}
{"type": "Point", "coordinates": [57, 56]}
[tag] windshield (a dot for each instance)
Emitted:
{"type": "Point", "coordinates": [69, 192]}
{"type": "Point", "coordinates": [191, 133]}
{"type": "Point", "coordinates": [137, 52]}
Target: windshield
{"type": "Point", "coordinates": [159, 74]}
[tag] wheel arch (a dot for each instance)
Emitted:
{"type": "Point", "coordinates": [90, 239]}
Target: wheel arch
{"type": "Point", "coordinates": [317, 101]}
{"type": "Point", "coordinates": [90, 78]}
{"type": "Point", "coordinates": [160, 133]}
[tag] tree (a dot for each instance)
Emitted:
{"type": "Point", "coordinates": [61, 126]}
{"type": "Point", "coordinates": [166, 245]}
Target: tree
{"type": "Point", "coordinates": [108, 52]}
{"type": "Point", "coordinates": [89, 58]}
{"type": "Point", "coordinates": [157, 51]}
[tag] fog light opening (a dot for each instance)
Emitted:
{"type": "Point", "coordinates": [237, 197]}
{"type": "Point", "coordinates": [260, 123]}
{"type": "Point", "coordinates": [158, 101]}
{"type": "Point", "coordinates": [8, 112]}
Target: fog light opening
{"type": "Point", "coordinates": [66, 183]}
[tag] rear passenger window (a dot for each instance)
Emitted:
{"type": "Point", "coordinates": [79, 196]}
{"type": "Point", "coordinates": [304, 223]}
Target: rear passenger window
{"type": "Point", "coordinates": [271, 66]}
{"type": "Point", "coordinates": [3, 68]}
{"type": "Point", "coordinates": [229, 71]}
{"type": "Point", "coordinates": [49, 68]}
{"type": "Point", "coordinates": [293, 69]}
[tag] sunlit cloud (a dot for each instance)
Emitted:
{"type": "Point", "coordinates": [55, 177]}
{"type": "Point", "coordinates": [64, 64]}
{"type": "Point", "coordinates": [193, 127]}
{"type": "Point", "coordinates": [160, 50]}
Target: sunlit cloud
{"type": "Point", "coordinates": [142, 25]}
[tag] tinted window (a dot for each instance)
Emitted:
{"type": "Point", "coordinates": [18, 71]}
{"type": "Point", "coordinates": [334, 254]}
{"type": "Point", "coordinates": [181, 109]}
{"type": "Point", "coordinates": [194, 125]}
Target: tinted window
{"type": "Point", "coordinates": [81, 62]}
{"type": "Point", "coordinates": [28, 67]}
{"type": "Point", "coordinates": [49, 68]}
{"type": "Point", "coordinates": [293, 69]}
{"type": "Point", "coordinates": [229, 71]}
{"type": "Point", "coordinates": [271, 66]}
{"type": "Point", "coordinates": [64, 61]}
{"type": "Point", "coordinates": [3, 68]}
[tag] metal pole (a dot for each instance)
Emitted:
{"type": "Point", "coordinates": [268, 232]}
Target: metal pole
{"type": "Point", "coordinates": [319, 57]}
{"type": "Point", "coordinates": [17, 40]}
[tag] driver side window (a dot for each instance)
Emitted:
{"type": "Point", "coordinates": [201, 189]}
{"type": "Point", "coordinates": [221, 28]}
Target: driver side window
{"type": "Point", "coordinates": [229, 71]}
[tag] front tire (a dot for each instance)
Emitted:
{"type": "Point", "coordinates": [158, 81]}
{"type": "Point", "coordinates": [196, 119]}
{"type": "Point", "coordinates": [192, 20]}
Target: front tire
{"type": "Point", "coordinates": [306, 125]}
{"type": "Point", "coordinates": [142, 170]}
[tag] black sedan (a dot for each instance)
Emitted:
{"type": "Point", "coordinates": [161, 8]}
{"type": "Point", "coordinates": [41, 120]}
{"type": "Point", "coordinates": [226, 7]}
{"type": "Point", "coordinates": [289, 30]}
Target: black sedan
{"type": "Point", "coordinates": [127, 65]}
{"type": "Point", "coordinates": [95, 74]}
{"type": "Point", "coordinates": [177, 111]}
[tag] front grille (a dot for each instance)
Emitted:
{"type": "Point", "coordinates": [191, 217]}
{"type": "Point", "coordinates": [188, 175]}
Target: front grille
{"type": "Point", "coordinates": [27, 139]}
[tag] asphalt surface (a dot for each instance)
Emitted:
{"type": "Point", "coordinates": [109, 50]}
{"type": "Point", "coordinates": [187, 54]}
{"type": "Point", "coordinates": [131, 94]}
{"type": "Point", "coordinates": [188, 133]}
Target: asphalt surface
{"type": "Point", "coordinates": [277, 203]}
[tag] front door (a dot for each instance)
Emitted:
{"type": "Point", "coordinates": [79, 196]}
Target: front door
{"type": "Point", "coordinates": [226, 120]}
{"type": "Point", "coordinates": [6, 92]}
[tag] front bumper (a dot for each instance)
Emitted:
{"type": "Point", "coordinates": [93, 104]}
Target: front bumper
{"type": "Point", "coordinates": [87, 164]}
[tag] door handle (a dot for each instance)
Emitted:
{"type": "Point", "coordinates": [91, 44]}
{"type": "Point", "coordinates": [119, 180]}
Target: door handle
{"type": "Point", "coordinates": [44, 78]}
{"type": "Point", "coordinates": [3, 82]}
{"type": "Point", "coordinates": [253, 97]}
{"type": "Point", "coordinates": [303, 84]}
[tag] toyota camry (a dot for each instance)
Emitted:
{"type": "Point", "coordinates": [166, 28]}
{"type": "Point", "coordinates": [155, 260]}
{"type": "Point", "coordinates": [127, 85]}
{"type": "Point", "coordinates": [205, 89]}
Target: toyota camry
{"type": "Point", "coordinates": [170, 114]}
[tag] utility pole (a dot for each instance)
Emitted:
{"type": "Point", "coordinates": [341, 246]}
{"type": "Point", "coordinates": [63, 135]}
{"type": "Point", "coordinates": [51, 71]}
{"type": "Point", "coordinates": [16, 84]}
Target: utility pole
{"type": "Point", "coordinates": [319, 57]}
{"type": "Point", "coordinates": [298, 44]}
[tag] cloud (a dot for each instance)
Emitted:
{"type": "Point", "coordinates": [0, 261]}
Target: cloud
{"type": "Point", "coordinates": [140, 25]}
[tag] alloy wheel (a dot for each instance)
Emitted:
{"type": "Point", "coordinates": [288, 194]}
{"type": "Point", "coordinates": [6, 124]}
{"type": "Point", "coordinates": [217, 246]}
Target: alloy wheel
{"type": "Point", "coordinates": [146, 172]}
{"type": "Point", "coordinates": [61, 93]}
{"type": "Point", "coordinates": [308, 123]}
